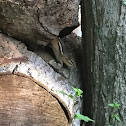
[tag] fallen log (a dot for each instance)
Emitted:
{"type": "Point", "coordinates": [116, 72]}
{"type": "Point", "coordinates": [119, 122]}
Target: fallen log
{"type": "Point", "coordinates": [29, 89]}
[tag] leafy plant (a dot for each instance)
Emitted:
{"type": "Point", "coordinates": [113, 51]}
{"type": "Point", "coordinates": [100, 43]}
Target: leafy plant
{"type": "Point", "coordinates": [82, 117]}
{"type": "Point", "coordinates": [114, 105]}
{"type": "Point", "coordinates": [114, 115]}
{"type": "Point", "coordinates": [78, 93]}
{"type": "Point", "coordinates": [71, 96]}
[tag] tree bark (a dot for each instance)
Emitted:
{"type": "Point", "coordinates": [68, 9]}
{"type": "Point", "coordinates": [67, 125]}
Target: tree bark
{"type": "Point", "coordinates": [38, 21]}
{"type": "Point", "coordinates": [104, 53]}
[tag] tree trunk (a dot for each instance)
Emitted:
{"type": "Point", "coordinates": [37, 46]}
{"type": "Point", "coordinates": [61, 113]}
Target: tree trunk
{"type": "Point", "coordinates": [104, 54]}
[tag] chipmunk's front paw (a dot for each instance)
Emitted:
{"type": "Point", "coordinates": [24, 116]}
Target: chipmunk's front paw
{"type": "Point", "coordinates": [67, 61]}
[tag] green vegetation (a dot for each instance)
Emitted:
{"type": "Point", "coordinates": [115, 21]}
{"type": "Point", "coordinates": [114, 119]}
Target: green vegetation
{"type": "Point", "coordinates": [78, 93]}
{"type": "Point", "coordinates": [81, 117]}
{"type": "Point", "coordinates": [114, 115]}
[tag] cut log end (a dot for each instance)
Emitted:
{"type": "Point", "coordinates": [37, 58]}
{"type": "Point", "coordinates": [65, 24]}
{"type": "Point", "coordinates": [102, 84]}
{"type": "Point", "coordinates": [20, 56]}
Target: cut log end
{"type": "Point", "coordinates": [23, 102]}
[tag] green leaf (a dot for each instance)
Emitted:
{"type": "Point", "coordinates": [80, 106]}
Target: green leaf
{"type": "Point", "coordinates": [71, 96]}
{"type": "Point", "coordinates": [117, 117]}
{"type": "Point", "coordinates": [117, 105]}
{"type": "Point", "coordinates": [114, 105]}
{"type": "Point", "coordinates": [78, 91]}
{"type": "Point", "coordinates": [82, 117]}
{"type": "Point", "coordinates": [62, 92]}
{"type": "Point", "coordinates": [110, 125]}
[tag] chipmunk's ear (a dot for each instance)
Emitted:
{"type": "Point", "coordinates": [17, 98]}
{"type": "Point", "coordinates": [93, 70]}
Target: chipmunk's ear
{"type": "Point", "coordinates": [66, 31]}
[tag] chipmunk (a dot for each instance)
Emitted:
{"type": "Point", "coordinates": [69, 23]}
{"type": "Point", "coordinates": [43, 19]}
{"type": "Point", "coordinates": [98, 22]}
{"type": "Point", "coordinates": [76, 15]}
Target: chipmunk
{"type": "Point", "coordinates": [58, 51]}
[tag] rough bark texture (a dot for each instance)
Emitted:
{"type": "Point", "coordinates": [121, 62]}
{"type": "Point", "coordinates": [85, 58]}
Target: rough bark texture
{"type": "Point", "coordinates": [16, 59]}
{"type": "Point", "coordinates": [104, 54]}
{"type": "Point", "coordinates": [24, 103]}
{"type": "Point", "coordinates": [38, 21]}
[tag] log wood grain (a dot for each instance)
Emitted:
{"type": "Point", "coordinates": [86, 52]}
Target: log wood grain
{"type": "Point", "coordinates": [24, 103]}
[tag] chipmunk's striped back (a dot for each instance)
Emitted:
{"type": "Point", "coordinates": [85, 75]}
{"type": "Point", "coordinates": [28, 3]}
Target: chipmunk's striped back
{"type": "Point", "coordinates": [58, 51]}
